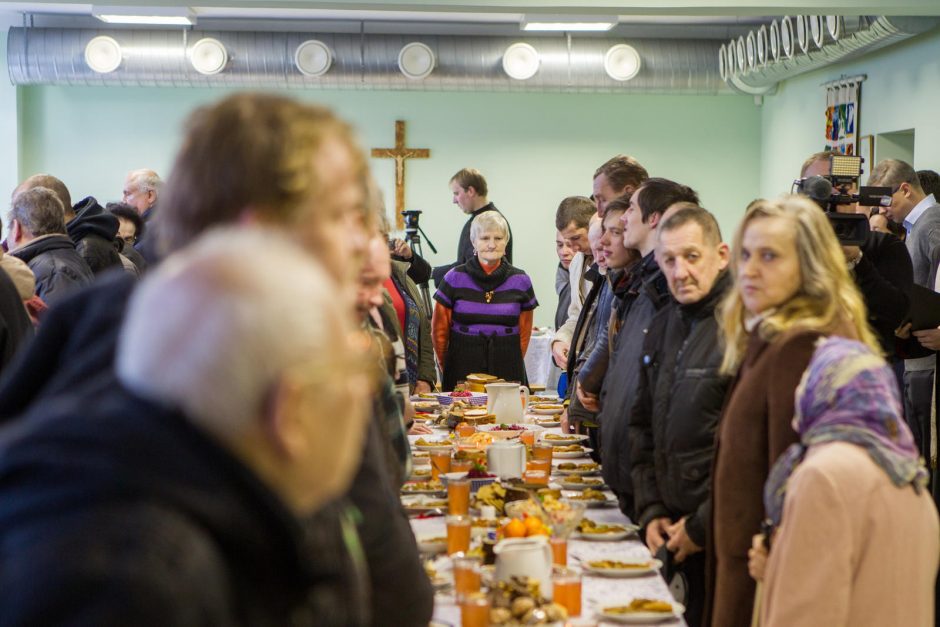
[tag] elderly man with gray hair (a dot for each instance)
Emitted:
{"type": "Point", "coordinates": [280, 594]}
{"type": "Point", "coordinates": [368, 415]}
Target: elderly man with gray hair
{"type": "Point", "coordinates": [176, 496]}
{"type": "Point", "coordinates": [38, 237]}
{"type": "Point", "coordinates": [141, 189]}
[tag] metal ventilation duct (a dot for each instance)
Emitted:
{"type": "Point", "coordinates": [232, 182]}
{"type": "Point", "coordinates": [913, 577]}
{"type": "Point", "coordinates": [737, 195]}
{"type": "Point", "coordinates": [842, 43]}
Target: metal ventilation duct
{"type": "Point", "coordinates": [860, 36]}
{"type": "Point", "coordinates": [40, 56]}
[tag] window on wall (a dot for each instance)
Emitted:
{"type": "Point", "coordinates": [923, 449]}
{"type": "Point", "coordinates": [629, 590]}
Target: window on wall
{"type": "Point", "coordinates": [895, 145]}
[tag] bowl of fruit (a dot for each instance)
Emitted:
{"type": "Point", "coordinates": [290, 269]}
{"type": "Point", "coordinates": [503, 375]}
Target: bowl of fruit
{"type": "Point", "coordinates": [477, 475]}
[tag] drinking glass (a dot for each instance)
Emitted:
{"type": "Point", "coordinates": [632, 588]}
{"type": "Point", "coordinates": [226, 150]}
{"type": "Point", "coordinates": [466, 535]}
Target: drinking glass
{"type": "Point", "coordinates": [458, 534]}
{"type": "Point", "coordinates": [566, 586]}
{"type": "Point", "coordinates": [559, 550]}
{"type": "Point", "coordinates": [458, 496]}
{"type": "Point", "coordinates": [475, 610]}
{"type": "Point", "coordinates": [467, 576]}
{"type": "Point", "coordinates": [440, 463]}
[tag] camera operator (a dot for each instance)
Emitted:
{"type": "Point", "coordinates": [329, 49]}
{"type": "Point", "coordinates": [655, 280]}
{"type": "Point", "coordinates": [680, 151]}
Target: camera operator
{"type": "Point", "coordinates": [880, 266]}
{"type": "Point", "coordinates": [419, 270]}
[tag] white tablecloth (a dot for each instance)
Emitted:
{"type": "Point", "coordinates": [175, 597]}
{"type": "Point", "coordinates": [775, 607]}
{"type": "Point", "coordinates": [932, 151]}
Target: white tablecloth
{"type": "Point", "coordinates": [596, 592]}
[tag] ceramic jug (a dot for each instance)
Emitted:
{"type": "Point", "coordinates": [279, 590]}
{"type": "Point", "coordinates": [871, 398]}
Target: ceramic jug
{"type": "Point", "coordinates": [502, 399]}
{"type": "Point", "coordinates": [506, 459]}
{"type": "Point", "coordinates": [525, 557]}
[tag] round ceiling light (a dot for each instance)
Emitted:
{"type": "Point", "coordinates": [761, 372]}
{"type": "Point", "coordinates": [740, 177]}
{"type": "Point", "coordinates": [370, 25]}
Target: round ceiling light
{"type": "Point", "coordinates": [750, 45]}
{"type": "Point", "coordinates": [802, 32]}
{"type": "Point", "coordinates": [817, 30]}
{"type": "Point", "coordinates": [773, 41]}
{"type": "Point", "coordinates": [416, 60]}
{"type": "Point", "coordinates": [313, 58]}
{"type": "Point", "coordinates": [762, 56]}
{"type": "Point", "coordinates": [208, 56]}
{"type": "Point", "coordinates": [521, 61]}
{"type": "Point", "coordinates": [787, 45]}
{"type": "Point", "coordinates": [722, 67]}
{"type": "Point", "coordinates": [103, 54]}
{"type": "Point", "coordinates": [835, 25]}
{"type": "Point", "coordinates": [729, 58]}
{"type": "Point", "coordinates": [740, 54]}
{"type": "Point", "coordinates": [622, 62]}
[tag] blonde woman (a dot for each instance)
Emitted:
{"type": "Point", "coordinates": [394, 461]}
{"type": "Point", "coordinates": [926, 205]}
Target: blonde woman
{"type": "Point", "coordinates": [791, 288]}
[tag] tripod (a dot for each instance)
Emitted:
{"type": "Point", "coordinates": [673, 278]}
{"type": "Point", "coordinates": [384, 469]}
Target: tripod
{"type": "Point", "coordinates": [413, 237]}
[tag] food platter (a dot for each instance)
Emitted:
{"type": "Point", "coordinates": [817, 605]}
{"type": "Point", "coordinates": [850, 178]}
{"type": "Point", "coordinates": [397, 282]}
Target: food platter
{"type": "Point", "coordinates": [573, 454]}
{"type": "Point", "coordinates": [640, 617]}
{"type": "Point", "coordinates": [621, 568]}
{"type": "Point", "coordinates": [556, 439]}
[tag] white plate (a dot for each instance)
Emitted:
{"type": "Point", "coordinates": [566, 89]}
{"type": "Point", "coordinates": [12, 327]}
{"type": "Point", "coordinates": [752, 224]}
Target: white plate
{"type": "Point", "coordinates": [547, 424]}
{"type": "Point", "coordinates": [546, 412]}
{"type": "Point", "coordinates": [644, 618]}
{"type": "Point", "coordinates": [434, 447]}
{"type": "Point", "coordinates": [427, 546]}
{"type": "Point", "coordinates": [440, 492]}
{"type": "Point", "coordinates": [418, 504]}
{"type": "Point", "coordinates": [572, 454]}
{"type": "Point", "coordinates": [600, 485]}
{"type": "Point", "coordinates": [570, 439]}
{"type": "Point", "coordinates": [611, 536]}
{"type": "Point", "coordinates": [559, 471]}
{"type": "Point", "coordinates": [592, 504]}
{"type": "Point", "coordinates": [652, 567]}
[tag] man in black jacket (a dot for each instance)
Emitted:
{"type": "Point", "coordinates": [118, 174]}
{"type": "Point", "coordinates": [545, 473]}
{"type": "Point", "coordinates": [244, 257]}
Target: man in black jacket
{"type": "Point", "coordinates": [470, 191]}
{"type": "Point", "coordinates": [169, 496]}
{"type": "Point", "coordinates": [37, 236]}
{"type": "Point", "coordinates": [672, 424]}
{"type": "Point", "coordinates": [94, 230]}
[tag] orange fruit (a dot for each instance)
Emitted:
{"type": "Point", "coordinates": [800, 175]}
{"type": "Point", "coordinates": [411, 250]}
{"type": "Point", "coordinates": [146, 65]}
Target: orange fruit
{"type": "Point", "coordinates": [532, 525]}
{"type": "Point", "coordinates": [515, 528]}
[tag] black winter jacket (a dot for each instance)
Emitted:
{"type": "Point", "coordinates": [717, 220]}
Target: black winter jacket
{"type": "Point", "coordinates": [673, 422]}
{"type": "Point", "coordinates": [645, 294]}
{"type": "Point", "coordinates": [58, 267]}
{"type": "Point", "coordinates": [93, 230]}
{"type": "Point", "coordinates": [118, 511]}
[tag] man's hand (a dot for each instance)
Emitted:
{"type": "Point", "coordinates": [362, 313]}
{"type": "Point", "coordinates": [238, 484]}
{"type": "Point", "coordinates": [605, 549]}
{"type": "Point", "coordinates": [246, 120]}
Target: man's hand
{"type": "Point", "coordinates": [903, 331]}
{"type": "Point", "coordinates": [656, 533]}
{"type": "Point", "coordinates": [400, 248]}
{"type": "Point", "coordinates": [590, 402]}
{"type": "Point", "coordinates": [422, 387]}
{"type": "Point", "coordinates": [560, 353]}
{"type": "Point", "coordinates": [851, 253]}
{"type": "Point", "coordinates": [757, 558]}
{"type": "Point", "coordinates": [680, 543]}
{"type": "Point", "coordinates": [929, 338]}
{"type": "Point", "coordinates": [419, 429]}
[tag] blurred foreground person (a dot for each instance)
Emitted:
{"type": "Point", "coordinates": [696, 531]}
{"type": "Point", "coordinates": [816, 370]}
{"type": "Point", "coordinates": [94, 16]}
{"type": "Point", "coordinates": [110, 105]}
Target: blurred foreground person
{"type": "Point", "coordinates": [857, 540]}
{"type": "Point", "coordinates": [175, 496]}
{"type": "Point", "coordinates": [791, 288]}
{"type": "Point", "coordinates": [293, 167]}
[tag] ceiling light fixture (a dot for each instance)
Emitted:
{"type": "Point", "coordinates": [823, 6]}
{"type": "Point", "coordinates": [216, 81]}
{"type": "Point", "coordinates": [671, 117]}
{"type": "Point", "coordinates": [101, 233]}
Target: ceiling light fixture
{"type": "Point", "coordinates": [154, 16]}
{"type": "Point", "coordinates": [568, 23]}
{"type": "Point", "coordinates": [208, 56]}
{"type": "Point", "coordinates": [622, 62]}
{"type": "Point", "coordinates": [762, 45]}
{"type": "Point", "coordinates": [773, 39]}
{"type": "Point", "coordinates": [835, 25]}
{"type": "Point", "coordinates": [103, 54]}
{"type": "Point", "coordinates": [802, 32]}
{"type": "Point", "coordinates": [787, 45]}
{"type": "Point", "coordinates": [521, 61]}
{"type": "Point", "coordinates": [313, 58]}
{"type": "Point", "coordinates": [416, 60]}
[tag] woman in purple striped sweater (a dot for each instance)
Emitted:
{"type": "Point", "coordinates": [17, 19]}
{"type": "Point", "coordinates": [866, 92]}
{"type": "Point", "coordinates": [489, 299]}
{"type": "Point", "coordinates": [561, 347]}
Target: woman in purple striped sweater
{"type": "Point", "coordinates": [483, 312]}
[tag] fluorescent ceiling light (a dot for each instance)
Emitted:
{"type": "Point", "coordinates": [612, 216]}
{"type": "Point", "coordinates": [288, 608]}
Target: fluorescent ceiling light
{"type": "Point", "coordinates": [568, 23]}
{"type": "Point", "coordinates": [168, 16]}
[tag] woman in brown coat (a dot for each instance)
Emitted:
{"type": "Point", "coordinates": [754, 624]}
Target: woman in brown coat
{"type": "Point", "coordinates": [791, 288]}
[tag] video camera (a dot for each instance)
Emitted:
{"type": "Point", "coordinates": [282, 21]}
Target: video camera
{"type": "Point", "coordinates": [411, 220]}
{"type": "Point", "coordinates": [831, 191]}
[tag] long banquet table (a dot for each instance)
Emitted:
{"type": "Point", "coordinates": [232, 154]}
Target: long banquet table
{"type": "Point", "coordinates": [596, 591]}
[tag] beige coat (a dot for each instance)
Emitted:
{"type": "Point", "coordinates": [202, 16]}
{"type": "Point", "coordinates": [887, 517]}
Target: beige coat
{"type": "Point", "coordinates": [853, 549]}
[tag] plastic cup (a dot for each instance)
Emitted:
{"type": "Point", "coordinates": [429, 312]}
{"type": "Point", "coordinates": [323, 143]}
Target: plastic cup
{"type": "Point", "coordinates": [566, 588]}
{"type": "Point", "coordinates": [475, 611]}
{"type": "Point", "coordinates": [559, 550]}
{"type": "Point", "coordinates": [527, 437]}
{"type": "Point", "coordinates": [467, 577]}
{"type": "Point", "coordinates": [461, 465]}
{"type": "Point", "coordinates": [440, 463]}
{"type": "Point", "coordinates": [458, 496]}
{"type": "Point", "coordinates": [542, 451]}
{"type": "Point", "coordinates": [535, 477]}
{"type": "Point", "coordinates": [539, 464]}
{"type": "Point", "coordinates": [464, 430]}
{"type": "Point", "coordinates": [458, 534]}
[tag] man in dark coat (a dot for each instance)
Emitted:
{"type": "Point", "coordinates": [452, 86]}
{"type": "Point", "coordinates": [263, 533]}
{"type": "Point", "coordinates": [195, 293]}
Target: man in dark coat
{"type": "Point", "coordinates": [147, 499]}
{"type": "Point", "coordinates": [470, 191]}
{"type": "Point", "coordinates": [37, 236]}
{"type": "Point", "coordinates": [94, 230]}
{"type": "Point", "coordinates": [673, 422]}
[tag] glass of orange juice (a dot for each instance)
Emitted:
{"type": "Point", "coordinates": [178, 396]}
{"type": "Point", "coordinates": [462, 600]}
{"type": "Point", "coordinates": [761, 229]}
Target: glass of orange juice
{"type": "Point", "coordinates": [475, 610]}
{"type": "Point", "coordinates": [535, 477]}
{"type": "Point", "coordinates": [461, 465]}
{"type": "Point", "coordinates": [464, 430]}
{"type": "Point", "coordinates": [458, 534]}
{"type": "Point", "coordinates": [440, 463]}
{"type": "Point", "coordinates": [527, 437]}
{"type": "Point", "coordinates": [458, 496]}
{"type": "Point", "coordinates": [542, 451]}
{"type": "Point", "coordinates": [466, 575]}
{"type": "Point", "coordinates": [559, 550]}
{"type": "Point", "coordinates": [566, 586]}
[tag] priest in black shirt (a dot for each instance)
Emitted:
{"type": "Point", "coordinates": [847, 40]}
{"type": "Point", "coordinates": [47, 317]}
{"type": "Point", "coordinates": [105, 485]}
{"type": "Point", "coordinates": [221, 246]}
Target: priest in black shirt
{"type": "Point", "coordinates": [469, 189]}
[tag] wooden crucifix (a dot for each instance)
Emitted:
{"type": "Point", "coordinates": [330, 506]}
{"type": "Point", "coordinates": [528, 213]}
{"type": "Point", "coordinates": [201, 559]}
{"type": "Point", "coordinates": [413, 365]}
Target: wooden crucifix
{"type": "Point", "coordinates": [399, 153]}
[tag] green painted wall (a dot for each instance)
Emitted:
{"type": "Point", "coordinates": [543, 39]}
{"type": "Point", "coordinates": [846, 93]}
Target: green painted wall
{"type": "Point", "coordinates": [534, 149]}
{"type": "Point", "coordinates": [902, 92]}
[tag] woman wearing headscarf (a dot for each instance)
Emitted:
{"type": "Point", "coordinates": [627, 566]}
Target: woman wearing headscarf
{"type": "Point", "coordinates": [857, 541]}
{"type": "Point", "coordinates": [791, 288]}
{"type": "Point", "coordinates": [482, 319]}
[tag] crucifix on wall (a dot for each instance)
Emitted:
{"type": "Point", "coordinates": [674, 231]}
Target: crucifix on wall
{"type": "Point", "coordinates": [399, 153]}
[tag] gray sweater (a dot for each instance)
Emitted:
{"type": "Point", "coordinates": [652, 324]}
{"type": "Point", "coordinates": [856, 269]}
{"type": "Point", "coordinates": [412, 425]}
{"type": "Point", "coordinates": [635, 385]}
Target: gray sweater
{"type": "Point", "coordinates": [923, 244]}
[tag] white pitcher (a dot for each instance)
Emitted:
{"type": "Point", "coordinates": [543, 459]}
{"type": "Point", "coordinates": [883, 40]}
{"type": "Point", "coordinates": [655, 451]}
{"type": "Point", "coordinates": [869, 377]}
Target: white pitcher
{"type": "Point", "coordinates": [506, 459]}
{"type": "Point", "coordinates": [503, 400]}
{"type": "Point", "coordinates": [525, 557]}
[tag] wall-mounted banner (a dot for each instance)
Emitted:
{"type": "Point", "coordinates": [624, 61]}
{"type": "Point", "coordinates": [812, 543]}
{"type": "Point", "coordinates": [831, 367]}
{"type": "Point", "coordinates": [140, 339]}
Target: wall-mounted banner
{"type": "Point", "coordinates": [842, 103]}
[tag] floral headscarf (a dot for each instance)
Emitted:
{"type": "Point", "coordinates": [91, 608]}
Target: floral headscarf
{"type": "Point", "coordinates": [848, 394]}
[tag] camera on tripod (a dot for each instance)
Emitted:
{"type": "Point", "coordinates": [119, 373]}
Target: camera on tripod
{"type": "Point", "coordinates": [831, 191]}
{"type": "Point", "coordinates": [411, 220]}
